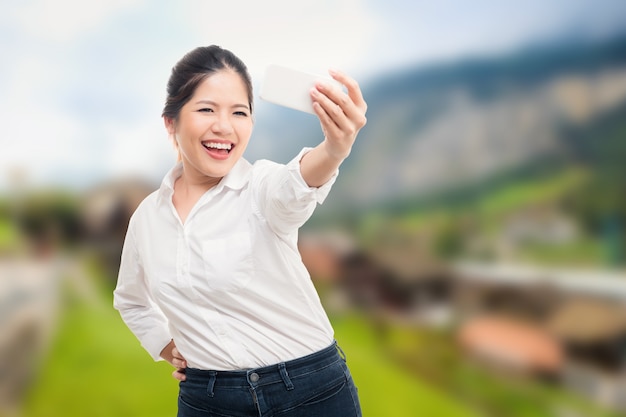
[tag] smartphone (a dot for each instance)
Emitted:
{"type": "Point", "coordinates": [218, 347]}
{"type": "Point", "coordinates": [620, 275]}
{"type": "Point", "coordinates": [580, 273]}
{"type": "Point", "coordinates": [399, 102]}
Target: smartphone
{"type": "Point", "coordinates": [291, 88]}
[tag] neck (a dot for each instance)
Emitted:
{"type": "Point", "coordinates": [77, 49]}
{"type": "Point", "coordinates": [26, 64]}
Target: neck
{"type": "Point", "coordinates": [187, 192]}
{"type": "Point", "coordinates": [190, 185]}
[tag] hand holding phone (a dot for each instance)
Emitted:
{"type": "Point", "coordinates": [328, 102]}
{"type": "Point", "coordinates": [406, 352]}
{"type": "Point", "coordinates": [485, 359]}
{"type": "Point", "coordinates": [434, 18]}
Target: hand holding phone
{"type": "Point", "coordinates": [291, 88]}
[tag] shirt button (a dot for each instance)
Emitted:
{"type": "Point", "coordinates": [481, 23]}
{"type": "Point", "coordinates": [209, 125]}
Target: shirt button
{"type": "Point", "coordinates": [254, 377]}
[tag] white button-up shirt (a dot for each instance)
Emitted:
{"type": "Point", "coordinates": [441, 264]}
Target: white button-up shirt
{"type": "Point", "coordinates": [228, 285]}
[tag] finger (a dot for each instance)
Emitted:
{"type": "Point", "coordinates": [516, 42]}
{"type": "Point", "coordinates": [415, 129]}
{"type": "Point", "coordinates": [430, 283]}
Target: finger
{"type": "Point", "coordinates": [333, 112]}
{"type": "Point", "coordinates": [179, 375]}
{"type": "Point", "coordinates": [179, 363]}
{"type": "Point", "coordinates": [351, 112]}
{"type": "Point", "coordinates": [334, 94]}
{"type": "Point", "coordinates": [327, 122]}
{"type": "Point", "coordinates": [354, 91]}
{"type": "Point", "coordinates": [329, 126]}
{"type": "Point", "coordinates": [178, 356]}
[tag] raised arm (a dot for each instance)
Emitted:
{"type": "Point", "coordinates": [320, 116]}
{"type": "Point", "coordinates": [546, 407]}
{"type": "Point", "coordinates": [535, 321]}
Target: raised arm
{"type": "Point", "coordinates": [341, 115]}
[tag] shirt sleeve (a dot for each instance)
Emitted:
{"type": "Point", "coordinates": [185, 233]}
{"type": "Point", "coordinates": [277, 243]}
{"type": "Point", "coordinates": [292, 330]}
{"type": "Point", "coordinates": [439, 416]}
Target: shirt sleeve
{"type": "Point", "coordinates": [133, 301]}
{"type": "Point", "coordinates": [284, 198]}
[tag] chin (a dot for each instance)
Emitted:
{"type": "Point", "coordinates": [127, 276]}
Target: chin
{"type": "Point", "coordinates": [218, 172]}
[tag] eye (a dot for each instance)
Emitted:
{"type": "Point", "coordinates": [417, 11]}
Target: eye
{"type": "Point", "coordinates": [206, 110]}
{"type": "Point", "coordinates": [241, 113]}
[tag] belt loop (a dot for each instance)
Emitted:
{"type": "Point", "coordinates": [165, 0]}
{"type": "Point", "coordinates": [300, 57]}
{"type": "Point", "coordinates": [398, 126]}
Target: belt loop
{"type": "Point", "coordinates": [212, 375]}
{"type": "Point", "coordinates": [341, 353]}
{"type": "Point", "coordinates": [285, 376]}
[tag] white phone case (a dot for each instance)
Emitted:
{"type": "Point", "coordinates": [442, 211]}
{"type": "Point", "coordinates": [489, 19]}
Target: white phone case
{"type": "Point", "coordinates": [290, 88]}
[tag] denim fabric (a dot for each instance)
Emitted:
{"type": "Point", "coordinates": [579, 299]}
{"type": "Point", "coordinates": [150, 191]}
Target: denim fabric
{"type": "Point", "coordinates": [317, 385]}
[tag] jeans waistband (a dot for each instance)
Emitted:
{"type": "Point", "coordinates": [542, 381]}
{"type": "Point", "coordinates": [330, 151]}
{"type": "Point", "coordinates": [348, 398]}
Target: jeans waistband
{"type": "Point", "coordinates": [280, 372]}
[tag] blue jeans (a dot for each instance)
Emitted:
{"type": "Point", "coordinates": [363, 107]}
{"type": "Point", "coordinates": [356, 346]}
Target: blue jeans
{"type": "Point", "coordinates": [317, 385]}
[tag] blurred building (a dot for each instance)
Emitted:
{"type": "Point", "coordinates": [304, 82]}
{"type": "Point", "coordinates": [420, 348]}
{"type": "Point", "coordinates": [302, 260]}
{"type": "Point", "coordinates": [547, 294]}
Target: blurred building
{"type": "Point", "coordinates": [568, 325]}
{"type": "Point", "coordinates": [106, 210]}
{"type": "Point", "coordinates": [572, 324]}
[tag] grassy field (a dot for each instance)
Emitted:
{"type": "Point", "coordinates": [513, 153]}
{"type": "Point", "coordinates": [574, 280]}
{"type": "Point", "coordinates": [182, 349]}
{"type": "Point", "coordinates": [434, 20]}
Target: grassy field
{"type": "Point", "coordinates": [96, 368]}
{"type": "Point", "coordinates": [385, 388]}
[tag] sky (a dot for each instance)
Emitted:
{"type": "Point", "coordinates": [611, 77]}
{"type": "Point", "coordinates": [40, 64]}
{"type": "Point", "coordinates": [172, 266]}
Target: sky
{"type": "Point", "coordinates": [82, 84]}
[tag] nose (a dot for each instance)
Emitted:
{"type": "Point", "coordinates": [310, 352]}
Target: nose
{"type": "Point", "coordinates": [222, 124]}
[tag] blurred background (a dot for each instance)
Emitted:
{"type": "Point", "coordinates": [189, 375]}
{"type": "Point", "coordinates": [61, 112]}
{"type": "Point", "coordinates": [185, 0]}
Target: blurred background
{"type": "Point", "coordinates": [471, 255]}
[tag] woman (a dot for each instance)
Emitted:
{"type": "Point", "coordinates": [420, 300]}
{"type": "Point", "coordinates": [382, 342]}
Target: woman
{"type": "Point", "coordinates": [210, 276]}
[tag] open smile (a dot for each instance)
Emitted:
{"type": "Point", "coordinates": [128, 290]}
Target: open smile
{"type": "Point", "coordinates": [218, 148]}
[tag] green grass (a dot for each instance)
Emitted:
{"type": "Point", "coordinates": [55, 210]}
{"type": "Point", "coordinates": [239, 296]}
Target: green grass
{"type": "Point", "coordinates": [97, 369]}
{"type": "Point", "coordinates": [582, 252]}
{"type": "Point", "coordinates": [10, 238]}
{"type": "Point", "coordinates": [532, 192]}
{"type": "Point", "coordinates": [385, 388]}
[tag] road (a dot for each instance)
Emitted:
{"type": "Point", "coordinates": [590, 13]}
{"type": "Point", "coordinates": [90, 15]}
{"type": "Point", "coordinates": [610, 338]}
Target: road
{"type": "Point", "coordinates": [29, 306]}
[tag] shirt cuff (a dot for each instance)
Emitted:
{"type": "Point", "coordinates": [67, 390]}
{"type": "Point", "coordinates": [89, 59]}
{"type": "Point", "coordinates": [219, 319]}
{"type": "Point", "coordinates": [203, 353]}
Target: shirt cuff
{"type": "Point", "coordinates": [302, 189]}
{"type": "Point", "coordinates": [155, 344]}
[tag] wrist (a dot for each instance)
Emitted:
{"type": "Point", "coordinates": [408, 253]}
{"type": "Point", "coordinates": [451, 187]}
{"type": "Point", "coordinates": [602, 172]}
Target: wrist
{"type": "Point", "coordinates": [336, 155]}
{"type": "Point", "coordinates": [166, 352]}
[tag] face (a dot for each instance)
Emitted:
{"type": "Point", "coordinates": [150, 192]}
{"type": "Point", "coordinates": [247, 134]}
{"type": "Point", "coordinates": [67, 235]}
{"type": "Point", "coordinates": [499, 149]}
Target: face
{"type": "Point", "coordinates": [213, 128]}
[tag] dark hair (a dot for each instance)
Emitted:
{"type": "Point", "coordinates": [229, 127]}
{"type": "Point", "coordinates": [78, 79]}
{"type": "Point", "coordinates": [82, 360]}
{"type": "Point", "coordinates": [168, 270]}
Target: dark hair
{"type": "Point", "coordinates": [194, 68]}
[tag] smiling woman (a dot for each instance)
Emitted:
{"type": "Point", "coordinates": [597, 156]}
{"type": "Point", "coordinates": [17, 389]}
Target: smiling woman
{"type": "Point", "coordinates": [210, 277]}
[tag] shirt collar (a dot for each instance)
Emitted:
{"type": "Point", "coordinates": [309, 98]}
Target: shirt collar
{"type": "Point", "coordinates": [236, 179]}
{"type": "Point", "coordinates": [238, 176]}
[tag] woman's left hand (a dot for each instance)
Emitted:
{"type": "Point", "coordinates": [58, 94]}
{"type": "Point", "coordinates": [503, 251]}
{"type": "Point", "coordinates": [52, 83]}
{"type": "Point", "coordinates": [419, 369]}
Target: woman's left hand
{"type": "Point", "coordinates": [341, 114]}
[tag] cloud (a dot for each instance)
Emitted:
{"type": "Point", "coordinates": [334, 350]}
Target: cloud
{"type": "Point", "coordinates": [38, 144]}
{"type": "Point", "coordinates": [56, 148]}
{"type": "Point", "coordinates": [309, 35]}
{"type": "Point", "coordinates": [142, 150]}
{"type": "Point", "coordinates": [67, 20]}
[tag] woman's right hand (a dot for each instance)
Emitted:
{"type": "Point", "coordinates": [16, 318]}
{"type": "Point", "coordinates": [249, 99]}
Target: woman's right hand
{"type": "Point", "coordinates": [171, 354]}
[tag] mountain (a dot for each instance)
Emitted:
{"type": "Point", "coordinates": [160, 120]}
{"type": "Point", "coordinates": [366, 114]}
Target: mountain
{"type": "Point", "coordinates": [453, 125]}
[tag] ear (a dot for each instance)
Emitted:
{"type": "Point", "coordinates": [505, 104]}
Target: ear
{"type": "Point", "coordinates": [170, 125]}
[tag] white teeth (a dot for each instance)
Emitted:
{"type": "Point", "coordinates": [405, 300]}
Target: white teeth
{"type": "Point", "coordinates": [216, 145]}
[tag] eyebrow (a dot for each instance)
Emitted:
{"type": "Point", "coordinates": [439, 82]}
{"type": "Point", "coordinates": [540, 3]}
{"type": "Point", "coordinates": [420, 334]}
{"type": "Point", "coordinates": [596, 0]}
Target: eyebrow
{"type": "Point", "coordinates": [212, 103]}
